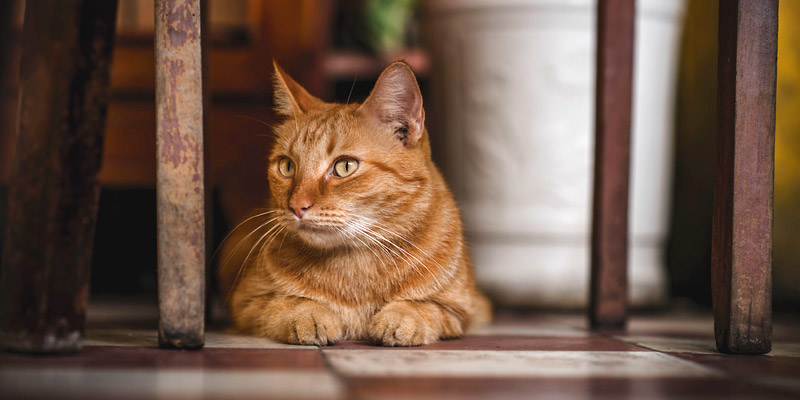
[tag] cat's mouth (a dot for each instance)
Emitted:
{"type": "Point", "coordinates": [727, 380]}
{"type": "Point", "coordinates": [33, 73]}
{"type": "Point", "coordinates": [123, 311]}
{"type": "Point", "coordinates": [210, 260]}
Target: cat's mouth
{"type": "Point", "coordinates": [308, 227]}
{"type": "Point", "coordinates": [315, 228]}
{"type": "Point", "coordinates": [319, 235]}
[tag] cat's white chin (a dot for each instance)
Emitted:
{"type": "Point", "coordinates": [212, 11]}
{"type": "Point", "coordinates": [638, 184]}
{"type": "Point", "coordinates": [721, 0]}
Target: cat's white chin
{"type": "Point", "coordinates": [321, 237]}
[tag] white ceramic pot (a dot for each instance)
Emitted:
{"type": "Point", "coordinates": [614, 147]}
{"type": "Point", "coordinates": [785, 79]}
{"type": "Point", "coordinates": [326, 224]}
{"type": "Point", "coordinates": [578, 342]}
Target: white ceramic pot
{"type": "Point", "coordinates": [512, 123]}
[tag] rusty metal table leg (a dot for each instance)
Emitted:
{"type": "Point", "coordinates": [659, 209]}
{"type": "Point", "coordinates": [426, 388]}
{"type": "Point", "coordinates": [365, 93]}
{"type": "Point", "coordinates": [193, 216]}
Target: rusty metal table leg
{"type": "Point", "coordinates": [52, 209]}
{"type": "Point", "coordinates": [608, 292]}
{"type": "Point", "coordinates": [180, 182]}
{"type": "Point", "coordinates": [741, 253]}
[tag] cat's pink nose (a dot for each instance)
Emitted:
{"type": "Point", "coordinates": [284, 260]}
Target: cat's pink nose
{"type": "Point", "coordinates": [300, 207]}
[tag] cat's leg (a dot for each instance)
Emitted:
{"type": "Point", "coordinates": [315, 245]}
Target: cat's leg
{"type": "Point", "coordinates": [414, 323]}
{"type": "Point", "coordinates": [293, 320]}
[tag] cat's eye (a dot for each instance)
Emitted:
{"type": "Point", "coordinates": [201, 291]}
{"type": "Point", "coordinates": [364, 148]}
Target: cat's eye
{"type": "Point", "coordinates": [286, 167]}
{"type": "Point", "coordinates": [345, 167]}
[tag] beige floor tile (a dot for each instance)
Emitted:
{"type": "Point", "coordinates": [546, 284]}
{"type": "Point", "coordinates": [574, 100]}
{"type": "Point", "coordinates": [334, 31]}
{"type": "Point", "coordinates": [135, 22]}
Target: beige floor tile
{"type": "Point", "coordinates": [457, 363]}
{"type": "Point", "coordinates": [517, 329]}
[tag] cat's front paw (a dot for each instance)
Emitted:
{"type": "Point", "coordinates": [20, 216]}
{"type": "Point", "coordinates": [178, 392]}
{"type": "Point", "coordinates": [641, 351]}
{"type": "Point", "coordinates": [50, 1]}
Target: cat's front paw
{"type": "Point", "coordinates": [311, 323]}
{"type": "Point", "coordinates": [400, 324]}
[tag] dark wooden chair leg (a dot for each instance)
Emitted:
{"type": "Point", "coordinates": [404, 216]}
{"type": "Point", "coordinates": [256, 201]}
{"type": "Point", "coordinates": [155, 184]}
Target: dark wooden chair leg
{"type": "Point", "coordinates": [615, 34]}
{"type": "Point", "coordinates": [741, 254]}
{"type": "Point", "coordinates": [180, 175]}
{"type": "Point", "coordinates": [53, 188]}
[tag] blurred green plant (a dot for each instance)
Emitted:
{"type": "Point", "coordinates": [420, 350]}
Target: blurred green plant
{"type": "Point", "coordinates": [386, 24]}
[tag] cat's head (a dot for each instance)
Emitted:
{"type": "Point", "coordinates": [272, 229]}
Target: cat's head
{"type": "Point", "coordinates": [350, 174]}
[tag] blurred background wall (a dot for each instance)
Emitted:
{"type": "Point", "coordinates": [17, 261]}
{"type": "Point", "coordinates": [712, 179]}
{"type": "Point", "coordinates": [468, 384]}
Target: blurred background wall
{"type": "Point", "coordinates": [334, 47]}
{"type": "Point", "coordinates": [514, 90]}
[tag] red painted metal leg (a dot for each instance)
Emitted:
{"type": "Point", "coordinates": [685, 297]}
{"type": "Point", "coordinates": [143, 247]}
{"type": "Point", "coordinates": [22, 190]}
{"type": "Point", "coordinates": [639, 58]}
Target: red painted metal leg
{"type": "Point", "coordinates": [741, 254]}
{"type": "Point", "coordinates": [615, 35]}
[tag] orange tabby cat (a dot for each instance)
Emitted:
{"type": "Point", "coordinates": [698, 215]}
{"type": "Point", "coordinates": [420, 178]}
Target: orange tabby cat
{"type": "Point", "coordinates": [363, 239]}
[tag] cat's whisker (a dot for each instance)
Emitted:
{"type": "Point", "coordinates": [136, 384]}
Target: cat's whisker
{"type": "Point", "coordinates": [270, 239]}
{"type": "Point", "coordinates": [260, 245]}
{"type": "Point", "coordinates": [379, 239]}
{"type": "Point", "coordinates": [414, 246]}
{"type": "Point", "coordinates": [244, 239]}
{"type": "Point", "coordinates": [351, 90]}
{"type": "Point", "coordinates": [345, 239]}
{"type": "Point", "coordinates": [244, 262]}
{"type": "Point", "coordinates": [265, 123]}
{"type": "Point", "coordinates": [386, 250]}
{"type": "Point", "coordinates": [408, 253]}
{"type": "Point", "coordinates": [370, 248]}
{"type": "Point", "coordinates": [262, 214]}
{"type": "Point", "coordinates": [239, 274]}
{"type": "Point", "coordinates": [389, 252]}
{"type": "Point", "coordinates": [364, 230]}
{"type": "Point", "coordinates": [273, 236]}
{"type": "Point", "coordinates": [285, 232]}
{"type": "Point", "coordinates": [383, 227]}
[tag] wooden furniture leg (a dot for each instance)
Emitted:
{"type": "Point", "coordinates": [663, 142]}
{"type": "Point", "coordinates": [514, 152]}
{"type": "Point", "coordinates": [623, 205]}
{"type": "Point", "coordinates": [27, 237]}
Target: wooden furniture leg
{"type": "Point", "coordinates": [180, 175]}
{"type": "Point", "coordinates": [53, 187]}
{"type": "Point", "coordinates": [608, 293]}
{"type": "Point", "coordinates": [741, 254]}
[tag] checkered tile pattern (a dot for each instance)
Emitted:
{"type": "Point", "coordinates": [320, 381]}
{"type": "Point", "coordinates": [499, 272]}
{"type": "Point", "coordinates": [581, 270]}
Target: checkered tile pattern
{"type": "Point", "coordinates": [519, 357]}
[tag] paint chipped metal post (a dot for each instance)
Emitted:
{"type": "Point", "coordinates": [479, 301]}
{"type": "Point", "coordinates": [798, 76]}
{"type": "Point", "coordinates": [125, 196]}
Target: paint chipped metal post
{"type": "Point", "coordinates": [741, 235]}
{"type": "Point", "coordinates": [609, 277]}
{"type": "Point", "coordinates": [180, 181]}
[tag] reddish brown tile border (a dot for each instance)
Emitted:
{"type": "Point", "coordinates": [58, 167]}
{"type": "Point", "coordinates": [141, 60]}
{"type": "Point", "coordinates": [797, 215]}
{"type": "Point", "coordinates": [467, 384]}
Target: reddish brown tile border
{"type": "Point", "coordinates": [509, 389]}
{"type": "Point", "coordinates": [515, 343]}
{"type": "Point", "coordinates": [748, 366]}
{"type": "Point", "coordinates": [152, 357]}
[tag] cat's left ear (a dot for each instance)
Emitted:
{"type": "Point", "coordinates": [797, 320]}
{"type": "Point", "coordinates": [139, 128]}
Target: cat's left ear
{"type": "Point", "coordinates": [397, 101]}
{"type": "Point", "coordinates": [290, 98]}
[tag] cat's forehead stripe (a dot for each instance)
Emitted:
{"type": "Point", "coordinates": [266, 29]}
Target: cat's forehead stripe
{"type": "Point", "coordinates": [317, 135]}
{"type": "Point", "coordinates": [331, 145]}
{"type": "Point", "coordinates": [317, 128]}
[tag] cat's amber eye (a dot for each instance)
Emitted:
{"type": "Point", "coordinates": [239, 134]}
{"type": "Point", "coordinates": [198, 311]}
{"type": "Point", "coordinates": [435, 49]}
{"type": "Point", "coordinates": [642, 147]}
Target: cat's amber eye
{"type": "Point", "coordinates": [286, 167]}
{"type": "Point", "coordinates": [345, 167]}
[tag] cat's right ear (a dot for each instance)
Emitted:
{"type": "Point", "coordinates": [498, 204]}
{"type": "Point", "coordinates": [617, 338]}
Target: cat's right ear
{"type": "Point", "coordinates": [291, 99]}
{"type": "Point", "coordinates": [397, 101]}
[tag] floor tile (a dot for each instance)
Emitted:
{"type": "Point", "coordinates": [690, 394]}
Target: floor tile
{"type": "Point", "coordinates": [481, 363]}
{"type": "Point", "coordinates": [529, 324]}
{"type": "Point", "coordinates": [702, 345]}
{"type": "Point", "coordinates": [423, 388]}
{"type": "Point", "coordinates": [521, 329]}
{"type": "Point", "coordinates": [692, 325]}
{"type": "Point", "coordinates": [519, 356]}
{"type": "Point", "coordinates": [508, 343]}
{"type": "Point", "coordinates": [152, 357]}
{"type": "Point", "coordinates": [72, 383]}
{"type": "Point", "coordinates": [748, 366]}
{"type": "Point", "coordinates": [146, 337]}
{"type": "Point", "coordinates": [776, 372]}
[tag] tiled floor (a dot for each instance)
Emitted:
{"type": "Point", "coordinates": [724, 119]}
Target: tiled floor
{"type": "Point", "coordinates": [549, 356]}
